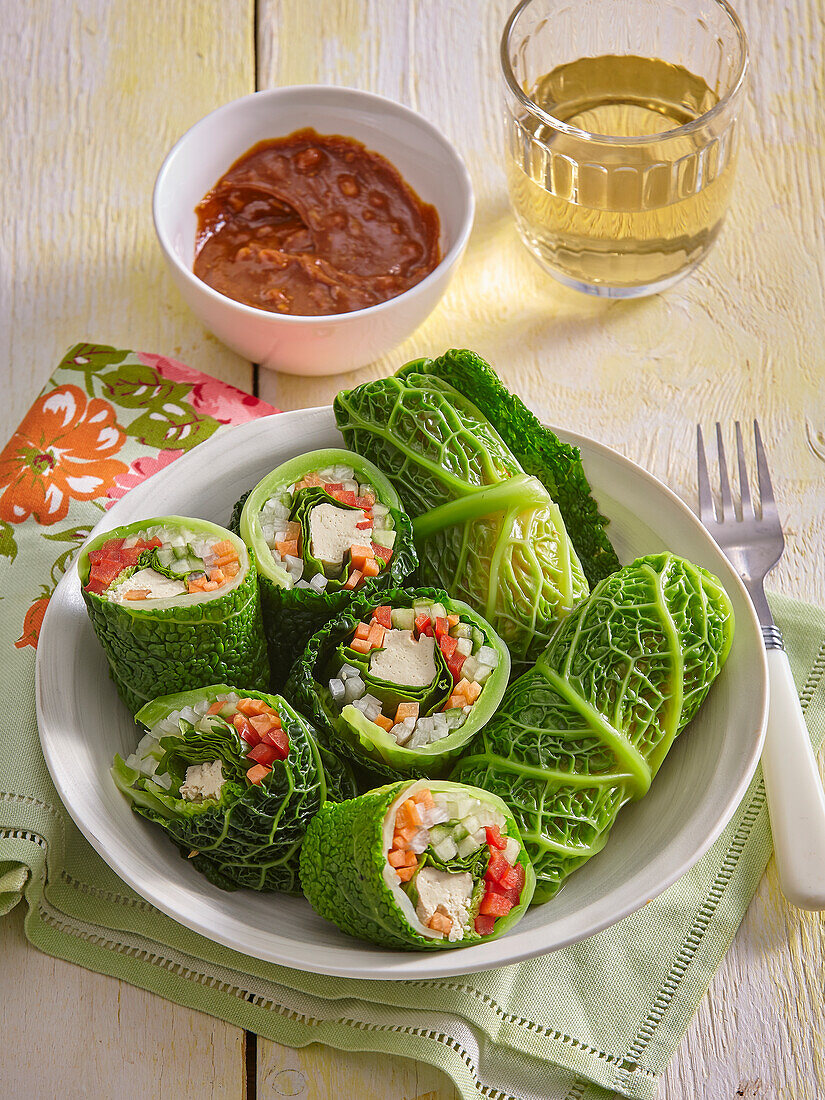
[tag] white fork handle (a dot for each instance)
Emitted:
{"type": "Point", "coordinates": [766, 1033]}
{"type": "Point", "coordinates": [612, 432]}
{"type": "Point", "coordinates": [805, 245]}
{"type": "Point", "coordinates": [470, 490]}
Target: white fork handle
{"type": "Point", "coordinates": [794, 788]}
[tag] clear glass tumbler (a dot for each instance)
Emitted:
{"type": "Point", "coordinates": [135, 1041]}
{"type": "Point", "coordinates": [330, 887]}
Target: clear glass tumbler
{"type": "Point", "coordinates": [622, 131]}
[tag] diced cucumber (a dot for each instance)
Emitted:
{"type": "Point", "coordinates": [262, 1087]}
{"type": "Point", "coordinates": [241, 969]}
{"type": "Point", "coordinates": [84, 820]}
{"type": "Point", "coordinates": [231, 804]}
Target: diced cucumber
{"type": "Point", "coordinates": [439, 833]}
{"type": "Point", "coordinates": [468, 669]}
{"type": "Point", "coordinates": [455, 717]}
{"type": "Point", "coordinates": [403, 618]}
{"type": "Point", "coordinates": [385, 537]}
{"type": "Point", "coordinates": [438, 611]}
{"type": "Point", "coordinates": [166, 556]}
{"type": "Point", "coordinates": [478, 639]}
{"type": "Point", "coordinates": [482, 673]}
{"type": "Point", "coordinates": [459, 832]}
{"type": "Point", "coordinates": [462, 630]}
{"type": "Point", "coordinates": [471, 824]}
{"type": "Point", "coordinates": [445, 849]}
{"type": "Point", "coordinates": [467, 846]}
{"type": "Point", "coordinates": [487, 656]}
{"type": "Point", "coordinates": [464, 647]}
{"type": "Point", "coordinates": [178, 547]}
{"type": "Point", "coordinates": [422, 607]}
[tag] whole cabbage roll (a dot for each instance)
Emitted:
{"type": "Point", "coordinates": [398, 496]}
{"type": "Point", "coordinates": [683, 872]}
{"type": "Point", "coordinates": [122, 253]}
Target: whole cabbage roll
{"type": "Point", "coordinates": [587, 729]}
{"type": "Point", "coordinates": [234, 778]}
{"type": "Point", "coordinates": [174, 602]}
{"type": "Point", "coordinates": [418, 866]}
{"type": "Point", "coordinates": [485, 531]}
{"type": "Point", "coordinates": [401, 686]}
{"type": "Point", "coordinates": [323, 526]}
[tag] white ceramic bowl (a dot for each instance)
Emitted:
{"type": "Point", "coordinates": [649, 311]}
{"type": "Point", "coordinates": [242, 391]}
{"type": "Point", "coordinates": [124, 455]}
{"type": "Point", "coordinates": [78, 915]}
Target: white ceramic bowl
{"type": "Point", "coordinates": [654, 841]}
{"type": "Point", "coordinates": [311, 345]}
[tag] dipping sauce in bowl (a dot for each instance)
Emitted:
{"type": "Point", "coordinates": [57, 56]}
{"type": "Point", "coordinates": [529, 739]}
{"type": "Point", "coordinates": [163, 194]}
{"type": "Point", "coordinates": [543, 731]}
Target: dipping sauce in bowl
{"type": "Point", "coordinates": [314, 224]}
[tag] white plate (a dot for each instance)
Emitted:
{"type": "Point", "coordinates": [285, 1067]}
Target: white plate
{"type": "Point", "coordinates": [83, 724]}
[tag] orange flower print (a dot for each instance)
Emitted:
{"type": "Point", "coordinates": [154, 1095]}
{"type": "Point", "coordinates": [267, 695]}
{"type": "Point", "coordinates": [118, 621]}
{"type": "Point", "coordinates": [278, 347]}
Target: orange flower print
{"type": "Point", "coordinates": [32, 623]}
{"type": "Point", "coordinates": [61, 451]}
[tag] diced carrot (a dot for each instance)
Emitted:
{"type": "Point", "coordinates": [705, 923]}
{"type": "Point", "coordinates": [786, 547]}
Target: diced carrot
{"type": "Point", "coordinates": [252, 706]}
{"type": "Point", "coordinates": [406, 710]}
{"type": "Point", "coordinates": [383, 615]}
{"type": "Point", "coordinates": [257, 773]}
{"type": "Point", "coordinates": [384, 723]}
{"type": "Point", "coordinates": [224, 560]}
{"type": "Point", "coordinates": [440, 922]}
{"type": "Point", "coordinates": [362, 631]}
{"type": "Point", "coordinates": [405, 873]}
{"type": "Point", "coordinates": [217, 575]}
{"type": "Point", "coordinates": [359, 555]}
{"type": "Point", "coordinates": [376, 635]}
{"type": "Point", "coordinates": [462, 688]}
{"type": "Point", "coordinates": [136, 594]}
{"type": "Point", "coordinates": [232, 569]}
{"type": "Point", "coordinates": [397, 858]}
{"type": "Point", "coordinates": [287, 546]}
{"type": "Point", "coordinates": [224, 547]}
{"type": "Point", "coordinates": [405, 833]}
{"type": "Point", "coordinates": [262, 723]}
{"type": "Point", "coordinates": [453, 620]}
{"type": "Point", "coordinates": [407, 815]}
{"type": "Point", "coordinates": [371, 568]}
{"type": "Point", "coordinates": [210, 586]}
{"type": "Point", "coordinates": [400, 843]}
{"type": "Point", "coordinates": [424, 797]}
{"type": "Point", "coordinates": [354, 579]}
{"type": "Point", "coordinates": [360, 645]}
{"type": "Point", "coordinates": [473, 691]}
{"type": "Point", "coordinates": [455, 701]}
{"type": "Point", "coordinates": [216, 706]}
{"type": "Point", "coordinates": [308, 481]}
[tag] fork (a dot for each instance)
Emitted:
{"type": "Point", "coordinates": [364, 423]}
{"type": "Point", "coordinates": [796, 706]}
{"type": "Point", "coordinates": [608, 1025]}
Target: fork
{"type": "Point", "coordinates": [753, 542]}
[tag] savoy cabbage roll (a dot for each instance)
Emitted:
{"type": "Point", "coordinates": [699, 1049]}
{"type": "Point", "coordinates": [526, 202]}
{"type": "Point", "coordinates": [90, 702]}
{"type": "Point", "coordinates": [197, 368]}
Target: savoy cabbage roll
{"type": "Point", "coordinates": [402, 685]}
{"type": "Point", "coordinates": [324, 527]}
{"type": "Point", "coordinates": [586, 730]}
{"type": "Point", "coordinates": [174, 602]}
{"type": "Point", "coordinates": [233, 777]}
{"type": "Point", "coordinates": [418, 865]}
{"type": "Point", "coordinates": [486, 531]}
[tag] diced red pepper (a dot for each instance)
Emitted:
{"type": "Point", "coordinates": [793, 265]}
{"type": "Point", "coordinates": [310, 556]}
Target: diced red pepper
{"type": "Point", "coordinates": [447, 645]}
{"type": "Point", "coordinates": [495, 905]}
{"type": "Point", "coordinates": [423, 625]}
{"type": "Point", "coordinates": [512, 892]}
{"type": "Point", "coordinates": [257, 773]}
{"type": "Point", "coordinates": [382, 552]}
{"type": "Point", "coordinates": [129, 554]}
{"type": "Point", "coordinates": [263, 754]}
{"type": "Point", "coordinates": [484, 924]}
{"type": "Point", "coordinates": [333, 487]}
{"type": "Point", "coordinates": [279, 740]}
{"type": "Point", "coordinates": [497, 867]}
{"type": "Point", "coordinates": [494, 837]}
{"type": "Point", "coordinates": [364, 525]}
{"type": "Point", "coordinates": [454, 664]}
{"type": "Point", "coordinates": [344, 496]}
{"type": "Point", "coordinates": [442, 627]}
{"type": "Point", "coordinates": [383, 615]}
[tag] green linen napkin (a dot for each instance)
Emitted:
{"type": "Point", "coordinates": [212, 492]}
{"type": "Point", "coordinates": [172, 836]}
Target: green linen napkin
{"type": "Point", "coordinates": [584, 1023]}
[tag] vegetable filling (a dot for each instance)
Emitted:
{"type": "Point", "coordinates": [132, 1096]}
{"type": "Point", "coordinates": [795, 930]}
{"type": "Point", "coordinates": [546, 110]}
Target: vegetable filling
{"type": "Point", "coordinates": [160, 564]}
{"type": "Point", "coordinates": [254, 731]}
{"type": "Point", "coordinates": [328, 530]}
{"type": "Point", "coordinates": [451, 856]}
{"type": "Point", "coordinates": [415, 672]}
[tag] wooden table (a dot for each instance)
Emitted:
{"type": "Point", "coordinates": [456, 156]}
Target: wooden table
{"type": "Point", "coordinates": [94, 93]}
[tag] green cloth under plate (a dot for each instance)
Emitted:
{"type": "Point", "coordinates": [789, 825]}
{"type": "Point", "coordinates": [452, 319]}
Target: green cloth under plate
{"type": "Point", "coordinates": [600, 1017]}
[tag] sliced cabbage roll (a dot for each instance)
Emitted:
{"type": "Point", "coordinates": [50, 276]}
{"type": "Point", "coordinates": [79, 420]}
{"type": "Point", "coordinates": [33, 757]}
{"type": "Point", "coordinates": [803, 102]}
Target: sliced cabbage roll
{"type": "Point", "coordinates": [323, 527]}
{"type": "Point", "coordinates": [174, 602]}
{"type": "Point", "coordinates": [586, 730]}
{"type": "Point", "coordinates": [402, 685]}
{"type": "Point", "coordinates": [234, 778]}
{"type": "Point", "coordinates": [485, 531]}
{"type": "Point", "coordinates": [418, 865]}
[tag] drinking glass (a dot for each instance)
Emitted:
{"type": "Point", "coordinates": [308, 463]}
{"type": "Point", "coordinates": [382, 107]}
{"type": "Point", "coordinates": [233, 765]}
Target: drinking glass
{"type": "Point", "coordinates": [623, 120]}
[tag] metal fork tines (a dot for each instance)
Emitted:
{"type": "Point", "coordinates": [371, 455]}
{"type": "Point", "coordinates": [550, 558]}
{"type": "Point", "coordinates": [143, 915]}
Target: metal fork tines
{"type": "Point", "coordinates": [750, 537]}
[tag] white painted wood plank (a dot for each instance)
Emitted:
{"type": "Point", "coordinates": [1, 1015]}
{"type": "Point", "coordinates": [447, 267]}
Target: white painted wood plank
{"type": "Point", "coordinates": [741, 337]}
{"type": "Point", "coordinates": [94, 95]}
{"type": "Point", "coordinates": [73, 1034]}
